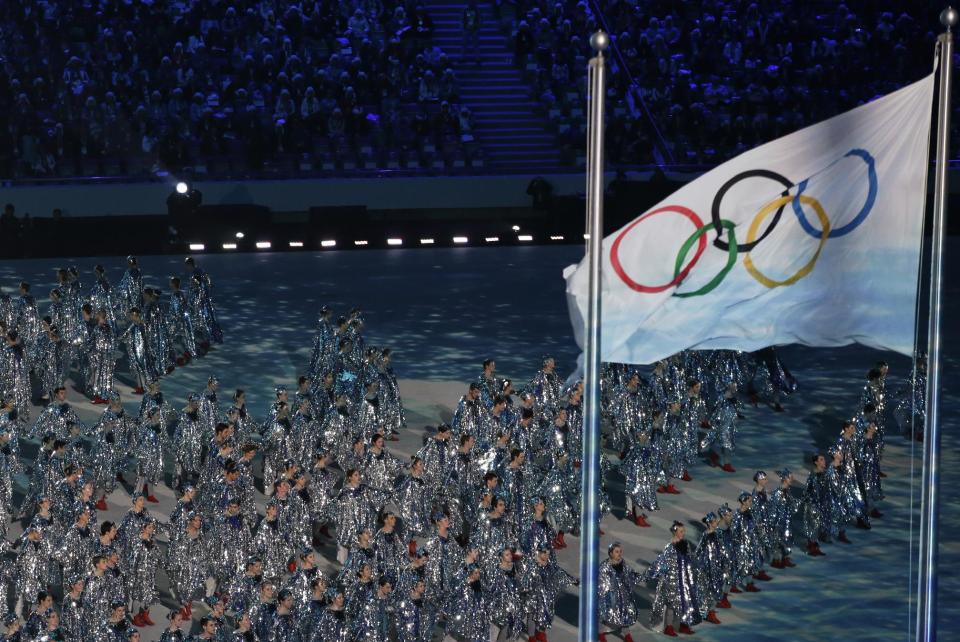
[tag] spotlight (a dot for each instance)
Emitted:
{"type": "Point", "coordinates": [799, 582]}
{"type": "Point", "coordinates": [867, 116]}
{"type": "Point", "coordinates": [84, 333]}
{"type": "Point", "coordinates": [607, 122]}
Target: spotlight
{"type": "Point", "coordinates": [460, 239]}
{"type": "Point", "coordinates": [359, 242]}
{"type": "Point", "coordinates": [586, 237]}
{"type": "Point", "coordinates": [229, 246]}
{"type": "Point", "coordinates": [394, 241]}
{"type": "Point", "coordinates": [263, 245]}
{"type": "Point", "coordinates": [556, 237]}
{"type": "Point", "coordinates": [296, 243]}
{"type": "Point", "coordinates": [492, 239]}
{"type": "Point", "coordinates": [182, 188]}
{"type": "Point", "coordinates": [328, 243]}
{"type": "Point", "coordinates": [197, 247]}
{"type": "Point", "coordinates": [516, 228]}
{"type": "Point", "coordinates": [239, 235]}
{"type": "Point", "coordinates": [426, 241]}
{"type": "Point", "coordinates": [524, 237]}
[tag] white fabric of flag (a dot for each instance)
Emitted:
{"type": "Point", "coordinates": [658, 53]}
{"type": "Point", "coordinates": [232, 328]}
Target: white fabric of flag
{"type": "Point", "coordinates": [813, 238]}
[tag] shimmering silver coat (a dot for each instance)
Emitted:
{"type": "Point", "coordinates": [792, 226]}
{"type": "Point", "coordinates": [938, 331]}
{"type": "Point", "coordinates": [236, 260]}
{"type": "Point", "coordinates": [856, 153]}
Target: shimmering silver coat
{"type": "Point", "coordinates": [102, 360]}
{"type": "Point", "coordinates": [747, 538]}
{"type": "Point", "coordinates": [677, 584]}
{"type": "Point", "coordinates": [142, 365]}
{"type": "Point", "coordinates": [140, 565]}
{"type": "Point", "coordinates": [543, 585]}
{"type": "Point", "coordinates": [780, 511]}
{"type": "Point", "coordinates": [617, 582]}
{"type": "Point", "coordinates": [713, 569]}
{"type": "Point", "coordinates": [643, 473]}
{"type": "Point", "coordinates": [189, 563]}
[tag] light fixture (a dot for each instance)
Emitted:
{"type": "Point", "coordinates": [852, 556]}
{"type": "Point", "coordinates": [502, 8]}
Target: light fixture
{"type": "Point", "coordinates": [296, 243]}
{"type": "Point", "coordinates": [182, 188]}
{"type": "Point", "coordinates": [263, 245]}
{"type": "Point", "coordinates": [328, 243]}
{"type": "Point", "coordinates": [394, 241]}
{"type": "Point", "coordinates": [524, 237]}
{"type": "Point", "coordinates": [556, 237]}
{"type": "Point", "coordinates": [229, 246]}
{"type": "Point", "coordinates": [516, 228]}
{"type": "Point", "coordinates": [586, 237]}
{"type": "Point", "coordinates": [492, 239]}
{"type": "Point", "coordinates": [426, 241]}
{"type": "Point", "coordinates": [239, 235]}
{"type": "Point", "coordinates": [197, 247]}
{"type": "Point", "coordinates": [359, 242]}
{"type": "Point", "coordinates": [460, 239]}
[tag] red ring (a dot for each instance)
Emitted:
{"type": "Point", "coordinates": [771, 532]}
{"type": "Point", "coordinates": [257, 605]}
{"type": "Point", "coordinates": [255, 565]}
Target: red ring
{"type": "Point", "coordinates": [701, 246]}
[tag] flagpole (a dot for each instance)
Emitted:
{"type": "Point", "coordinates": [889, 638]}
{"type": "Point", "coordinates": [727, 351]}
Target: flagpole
{"type": "Point", "coordinates": [927, 604]}
{"type": "Point", "coordinates": [590, 510]}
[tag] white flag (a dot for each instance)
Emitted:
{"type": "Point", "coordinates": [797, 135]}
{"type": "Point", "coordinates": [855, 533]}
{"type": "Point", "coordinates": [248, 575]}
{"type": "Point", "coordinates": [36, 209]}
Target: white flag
{"type": "Point", "coordinates": [813, 238]}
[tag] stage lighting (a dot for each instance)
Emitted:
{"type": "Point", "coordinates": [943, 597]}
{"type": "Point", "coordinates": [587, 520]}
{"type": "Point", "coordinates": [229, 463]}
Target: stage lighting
{"type": "Point", "coordinates": [359, 242]}
{"type": "Point", "coordinates": [296, 244]}
{"type": "Point", "coordinates": [460, 239]}
{"type": "Point", "coordinates": [492, 239]}
{"type": "Point", "coordinates": [515, 228]}
{"type": "Point", "coordinates": [229, 246]}
{"type": "Point", "coordinates": [426, 241]}
{"type": "Point", "coordinates": [263, 245]}
{"type": "Point", "coordinates": [524, 237]}
{"type": "Point", "coordinates": [197, 247]}
{"type": "Point", "coordinates": [586, 237]}
{"type": "Point", "coordinates": [239, 235]}
{"type": "Point", "coordinates": [394, 241]}
{"type": "Point", "coordinates": [182, 188]}
{"type": "Point", "coordinates": [556, 237]}
{"type": "Point", "coordinates": [328, 243]}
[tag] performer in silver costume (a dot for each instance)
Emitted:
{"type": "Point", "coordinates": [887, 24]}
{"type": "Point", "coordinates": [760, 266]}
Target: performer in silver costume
{"type": "Point", "coordinates": [101, 348]}
{"type": "Point", "coordinates": [183, 331]}
{"type": "Point", "coordinates": [677, 597]}
{"type": "Point", "coordinates": [542, 579]}
{"type": "Point", "coordinates": [780, 512]}
{"type": "Point", "coordinates": [643, 474]}
{"type": "Point", "coordinates": [723, 429]}
{"type": "Point", "coordinates": [617, 582]}
{"type": "Point", "coordinates": [712, 560]}
{"type": "Point", "coordinates": [142, 365]}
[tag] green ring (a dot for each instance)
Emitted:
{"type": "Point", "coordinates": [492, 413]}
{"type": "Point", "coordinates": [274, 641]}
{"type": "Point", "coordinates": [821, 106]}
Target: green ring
{"type": "Point", "coordinates": [731, 258]}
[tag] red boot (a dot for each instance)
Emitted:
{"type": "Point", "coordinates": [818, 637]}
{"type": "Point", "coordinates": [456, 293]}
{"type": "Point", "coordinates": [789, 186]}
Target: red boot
{"type": "Point", "coordinates": [662, 489]}
{"type": "Point", "coordinates": [412, 548]}
{"type": "Point", "coordinates": [138, 620]}
{"type": "Point", "coordinates": [603, 637]}
{"type": "Point", "coordinates": [842, 537]}
{"type": "Point", "coordinates": [728, 468]}
{"type": "Point", "coordinates": [776, 564]}
{"type": "Point", "coordinates": [686, 476]}
{"type": "Point", "coordinates": [762, 576]}
{"type": "Point", "coordinates": [751, 588]}
{"type": "Point", "coordinates": [641, 521]}
{"type": "Point", "coordinates": [724, 603]}
{"type": "Point", "coordinates": [542, 636]}
{"type": "Point", "coordinates": [189, 609]}
{"type": "Point", "coordinates": [734, 589]}
{"type": "Point", "coordinates": [146, 617]}
{"type": "Point", "coordinates": [685, 629]}
{"type": "Point", "coordinates": [668, 630]}
{"type": "Point", "coordinates": [102, 503]}
{"type": "Point", "coordinates": [138, 390]}
{"type": "Point", "coordinates": [712, 617]}
{"type": "Point", "coordinates": [714, 459]}
{"type": "Point", "coordinates": [628, 638]}
{"type": "Point", "coordinates": [558, 541]}
{"type": "Point", "coordinates": [672, 489]}
{"type": "Point", "coordinates": [787, 562]}
{"type": "Point", "coordinates": [875, 513]}
{"type": "Point", "coordinates": [150, 498]}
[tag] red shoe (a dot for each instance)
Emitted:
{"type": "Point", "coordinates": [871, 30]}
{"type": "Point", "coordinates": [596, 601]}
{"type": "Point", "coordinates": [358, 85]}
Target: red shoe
{"type": "Point", "coordinates": [138, 390]}
{"type": "Point", "coordinates": [714, 459]}
{"type": "Point", "coordinates": [600, 532]}
{"type": "Point", "coordinates": [672, 489]}
{"type": "Point", "coordinates": [724, 603]}
{"type": "Point", "coordinates": [668, 630]}
{"type": "Point", "coordinates": [189, 609]}
{"type": "Point", "coordinates": [628, 638]}
{"type": "Point", "coordinates": [102, 503]}
{"type": "Point", "coordinates": [120, 478]}
{"type": "Point", "coordinates": [751, 588]}
{"type": "Point", "coordinates": [183, 613]}
{"type": "Point", "coordinates": [874, 513]}
{"type": "Point", "coordinates": [662, 489]}
{"type": "Point", "coordinates": [187, 357]}
{"type": "Point", "coordinates": [685, 629]}
{"type": "Point", "coordinates": [603, 637]}
{"type": "Point", "coordinates": [686, 476]}
{"type": "Point", "coordinates": [641, 521]}
{"type": "Point", "coordinates": [712, 617]}
{"type": "Point", "coordinates": [558, 542]}
{"type": "Point", "coordinates": [138, 620]}
{"type": "Point", "coordinates": [171, 368]}
{"type": "Point", "coordinates": [728, 468]}
{"type": "Point", "coordinates": [541, 636]}
{"type": "Point", "coordinates": [532, 638]}
{"type": "Point", "coordinates": [787, 562]}
{"type": "Point", "coordinates": [762, 576]}
{"type": "Point", "coordinates": [776, 564]}
{"type": "Point", "coordinates": [734, 589]}
{"type": "Point", "coordinates": [412, 548]}
{"type": "Point", "coordinates": [292, 566]}
{"type": "Point", "coordinates": [146, 618]}
{"type": "Point", "coordinates": [863, 524]}
{"type": "Point", "coordinates": [150, 497]}
{"type": "Point", "coordinates": [181, 361]}
{"type": "Point", "coordinates": [883, 474]}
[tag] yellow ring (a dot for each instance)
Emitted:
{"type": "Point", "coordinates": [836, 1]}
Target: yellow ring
{"type": "Point", "coordinates": [755, 225]}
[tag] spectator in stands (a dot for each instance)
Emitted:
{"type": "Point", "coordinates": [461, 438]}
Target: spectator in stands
{"type": "Point", "coordinates": [471, 32]}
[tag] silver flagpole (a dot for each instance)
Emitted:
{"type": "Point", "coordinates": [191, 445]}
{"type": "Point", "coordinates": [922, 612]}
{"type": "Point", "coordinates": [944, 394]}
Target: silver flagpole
{"type": "Point", "coordinates": [590, 510]}
{"type": "Point", "coordinates": [927, 604]}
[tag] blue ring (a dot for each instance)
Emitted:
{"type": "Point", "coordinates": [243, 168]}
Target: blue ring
{"type": "Point", "coordinates": [861, 215]}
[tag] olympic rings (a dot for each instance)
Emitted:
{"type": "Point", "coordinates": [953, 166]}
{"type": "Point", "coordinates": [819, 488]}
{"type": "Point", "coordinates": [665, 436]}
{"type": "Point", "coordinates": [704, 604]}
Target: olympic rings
{"type": "Point", "coordinates": [861, 215]}
{"type": "Point", "coordinates": [731, 258]}
{"type": "Point", "coordinates": [678, 276]}
{"type": "Point", "coordinates": [806, 269]}
{"type": "Point", "coordinates": [754, 235]}
{"type": "Point", "coordinates": [715, 208]}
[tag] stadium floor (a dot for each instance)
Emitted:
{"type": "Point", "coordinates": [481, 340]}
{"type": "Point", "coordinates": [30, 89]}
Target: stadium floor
{"type": "Point", "coordinates": [443, 311]}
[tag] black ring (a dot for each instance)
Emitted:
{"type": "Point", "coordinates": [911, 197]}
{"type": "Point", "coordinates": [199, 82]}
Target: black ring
{"type": "Point", "coordinates": [715, 208]}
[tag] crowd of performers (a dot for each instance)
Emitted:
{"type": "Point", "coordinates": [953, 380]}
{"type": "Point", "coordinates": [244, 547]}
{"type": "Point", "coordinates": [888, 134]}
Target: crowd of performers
{"type": "Point", "coordinates": [84, 329]}
{"type": "Point", "coordinates": [461, 538]}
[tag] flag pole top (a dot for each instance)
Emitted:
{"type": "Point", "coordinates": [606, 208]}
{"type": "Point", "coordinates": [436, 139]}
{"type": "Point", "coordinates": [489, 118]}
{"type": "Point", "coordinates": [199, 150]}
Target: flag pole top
{"type": "Point", "coordinates": [948, 18]}
{"type": "Point", "coordinates": [599, 41]}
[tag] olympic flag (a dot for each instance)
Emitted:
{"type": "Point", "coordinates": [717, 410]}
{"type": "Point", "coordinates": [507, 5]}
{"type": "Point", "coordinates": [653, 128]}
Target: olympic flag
{"type": "Point", "coordinates": [813, 238]}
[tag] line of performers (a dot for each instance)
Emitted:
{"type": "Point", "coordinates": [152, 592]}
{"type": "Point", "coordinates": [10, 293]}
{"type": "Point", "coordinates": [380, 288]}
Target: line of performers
{"type": "Point", "coordinates": [83, 330]}
{"type": "Point", "coordinates": [461, 538]}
